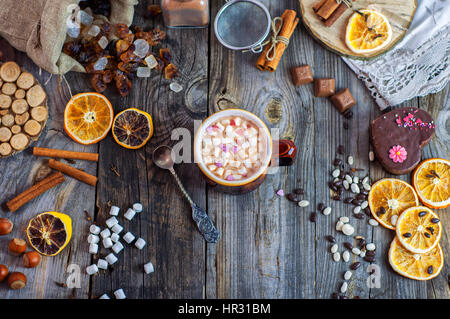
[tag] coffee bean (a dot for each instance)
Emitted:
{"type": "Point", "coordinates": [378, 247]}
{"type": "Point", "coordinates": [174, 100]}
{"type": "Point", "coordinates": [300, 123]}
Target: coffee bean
{"type": "Point", "coordinates": [335, 295]}
{"type": "Point", "coordinates": [369, 259]}
{"type": "Point", "coordinates": [313, 217]}
{"type": "Point", "coordinates": [407, 235]}
{"type": "Point", "coordinates": [341, 149]}
{"type": "Point", "coordinates": [358, 216]}
{"type": "Point", "coordinates": [423, 213]}
{"type": "Point", "coordinates": [291, 197]}
{"type": "Point", "coordinates": [348, 200]}
{"type": "Point", "coordinates": [332, 186]}
{"type": "Point", "coordinates": [348, 246]}
{"type": "Point", "coordinates": [434, 220]}
{"type": "Point", "coordinates": [356, 297]}
{"type": "Point", "coordinates": [430, 270]}
{"type": "Point", "coordinates": [336, 197]}
{"type": "Point", "coordinates": [356, 202]}
{"type": "Point", "coordinates": [370, 253]}
{"type": "Point", "coordinates": [382, 210]}
{"type": "Point", "coordinates": [320, 207]}
{"type": "Point", "coordinates": [346, 126]}
{"type": "Point", "coordinates": [361, 242]}
{"type": "Point", "coordinates": [355, 265]}
{"type": "Point", "coordinates": [337, 162]}
{"type": "Point", "coordinates": [343, 297]}
{"type": "Point", "coordinates": [340, 190]}
{"type": "Point", "coordinates": [338, 183]}
{"type": "Point", "coordinates": [348, 114]}
{"type": "Point", "coordinates": [331, 239]}
{"type": "Point", "coordinates": [367, 212]}
{"type": "Point", "coordinates": [361, 197]}
{"type": "Point", "coordinates": [427, 235]}
{"type": "Point", "coordinates": [342, 174]}
{"type": "Point", "coordinates": [299, 191]}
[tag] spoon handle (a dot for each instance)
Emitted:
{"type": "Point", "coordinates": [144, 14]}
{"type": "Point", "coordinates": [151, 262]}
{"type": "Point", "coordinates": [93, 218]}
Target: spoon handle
{"type": "Point", "coordinates": [204, 223]}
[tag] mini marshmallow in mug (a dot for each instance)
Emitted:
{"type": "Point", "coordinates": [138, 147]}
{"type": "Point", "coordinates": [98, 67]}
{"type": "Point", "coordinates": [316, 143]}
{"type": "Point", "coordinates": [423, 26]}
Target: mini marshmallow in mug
{"type": "Point", "coordinates": [115, 237]}
{"type": "Point", "coordinates": [105, 233]}
{"type": "Point", "coordinates": [117, 229]}
{"type": "Point", "coordinates": [93, 239]}
{"type": "Point", "coordinates": [107, 242]}
{"type": "Point", "coordinates": [93, 249]}
{"type": "Point", "coordinates": [129, 214]}
{"type": "Point", "coordinates": [111, 258]}
{"type": "Point", "coordinates": [117, 248]}
{"type": "Point", "coordinates": [128, 237]}
{"type": "Point", "coordinates": [94, 229]}
{"type": "Point", "coordinates": [111, 222]}
{"type": "Point", "coordinates": [114, 211]}
{"type": "Point", "coordinates": [102, 264]}
{"type": "Point", "coordinates": [137, 207]}
{"type": "Point", "coordinates": [140, 243]}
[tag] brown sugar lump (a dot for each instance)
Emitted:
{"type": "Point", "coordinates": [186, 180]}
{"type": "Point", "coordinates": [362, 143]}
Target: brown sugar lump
{"type": "Point", "coordinates": [25, 80]}
{"type": "Point", "coordinates": [343, 100]}
{"type": "Point", "coordinates": [9, 71]}
{"type": "Point", "coordinates": [301, 75]}
{"type": "Point", "coordinates": [36, 96]}
{"type": "Point", "coordinates": [324, 87]}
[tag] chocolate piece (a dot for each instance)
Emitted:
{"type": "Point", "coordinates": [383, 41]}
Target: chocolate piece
{"type": "Point", "coordinates": [301, 75]}
{"type": "Point", "coordinates": [324, 87]}
{"type": "Point", "coordinates": [410, 128]}
{"type": "Point", "coordinates": [343, 100]}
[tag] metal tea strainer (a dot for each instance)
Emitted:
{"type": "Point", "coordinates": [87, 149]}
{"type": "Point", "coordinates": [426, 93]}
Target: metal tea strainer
{"type": "Point", "coordinates": [243, 25]}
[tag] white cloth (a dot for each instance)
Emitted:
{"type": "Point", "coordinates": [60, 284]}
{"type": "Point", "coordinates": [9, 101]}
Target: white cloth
{"type": "Point", "coordinates": [418, 65]}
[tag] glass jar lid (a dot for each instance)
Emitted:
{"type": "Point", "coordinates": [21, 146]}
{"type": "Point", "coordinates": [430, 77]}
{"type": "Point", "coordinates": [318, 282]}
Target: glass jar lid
{"type": "Point", "coordinates": [242, 24]}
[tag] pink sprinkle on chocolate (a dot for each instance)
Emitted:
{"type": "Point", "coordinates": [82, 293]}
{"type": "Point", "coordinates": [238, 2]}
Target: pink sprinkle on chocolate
{"type": "Point", "coordinates": [219, 164]}
{"type": "Point", "coordinates": [280, 192]}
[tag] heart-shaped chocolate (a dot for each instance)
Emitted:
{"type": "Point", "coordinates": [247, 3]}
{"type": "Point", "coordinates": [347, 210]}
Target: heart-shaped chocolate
{"type": "Point", "coordinates": [399, 136]}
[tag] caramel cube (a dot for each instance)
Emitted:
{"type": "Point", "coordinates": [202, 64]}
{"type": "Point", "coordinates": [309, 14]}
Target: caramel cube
{"type": "Point", "coordinates": [343, 100]}
{"type": "Point", "coordinates": [301, 75]}
{"type": "Point", "coordinates": [324, 87]}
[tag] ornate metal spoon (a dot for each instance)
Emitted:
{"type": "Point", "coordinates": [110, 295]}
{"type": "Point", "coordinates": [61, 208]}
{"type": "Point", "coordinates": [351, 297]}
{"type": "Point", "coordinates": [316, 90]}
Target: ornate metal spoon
{"type": "Point", "coordinates": [162, 157]}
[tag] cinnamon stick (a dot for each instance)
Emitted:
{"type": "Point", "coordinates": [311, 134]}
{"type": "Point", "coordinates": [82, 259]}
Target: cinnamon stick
{"type": "Point", "coordinates": [72, 171]}
{"type": "Point", "coordinates": [34, 191]}
{"type": "Point", "coordinates": [290, 22]}
{"type": "Point", "coordinates": [261, 62]}
{"type": "Point", "coordinates": [327, 9]}
{"type": "Point", "coordinates": [336, 15]}
{"type": "Point", "coordinates": [50, 152]}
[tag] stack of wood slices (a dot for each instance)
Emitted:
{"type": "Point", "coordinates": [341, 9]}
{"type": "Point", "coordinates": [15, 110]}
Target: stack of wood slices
{"type": "Point", "coordinates": [23, 109]}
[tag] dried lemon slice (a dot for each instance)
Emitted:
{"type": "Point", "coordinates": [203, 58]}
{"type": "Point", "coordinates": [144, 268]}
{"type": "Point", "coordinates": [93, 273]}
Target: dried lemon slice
{"type": "Point", "coordinates": [415, 266]}
{"type": "Point", "coordinates": [132, 128]}
{"type": "Point", "coordinates": [431, 179]}
{"type": "Point", "coordinates": [419, 229]}
{"type": "Point", "coordinates": [367, 31]}
{"type": "Point", "coordinates": [49, 232]}
{"type": "Point", "coordinates": [388, 198]}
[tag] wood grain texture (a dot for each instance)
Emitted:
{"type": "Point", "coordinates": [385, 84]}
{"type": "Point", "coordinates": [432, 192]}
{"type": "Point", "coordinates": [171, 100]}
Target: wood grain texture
{"type": "Point", "coordinates": [399, 13]}
{"type": "Point", "coordinates": [269, 248]}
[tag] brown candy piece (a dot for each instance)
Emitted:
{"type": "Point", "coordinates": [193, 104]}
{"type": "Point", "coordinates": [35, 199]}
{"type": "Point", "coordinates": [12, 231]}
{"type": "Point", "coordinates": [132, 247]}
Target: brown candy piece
{"type": "Point", "coordinates": [301, 75]}
{"type": "Point", "coordinates": [324, 87]}
{"type": "Point", "coordinates": [343, 100]}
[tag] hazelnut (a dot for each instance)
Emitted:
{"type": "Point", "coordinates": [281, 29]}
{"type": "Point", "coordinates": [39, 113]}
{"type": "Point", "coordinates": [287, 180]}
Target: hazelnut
{"type": "Point", "coordinates": [17, 246]}
{"type": "Point", "coordinates": [3, 272]}
{"type": "Point", "coordinates": [6, 226]}
{"type": "Point", "coordinates": [17, 280]}
{"type": "Point", "coordinates": [31, 259]}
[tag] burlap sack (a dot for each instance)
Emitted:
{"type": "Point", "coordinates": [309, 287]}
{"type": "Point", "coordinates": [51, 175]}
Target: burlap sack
{"type": "Point", "coordinates": [38, 27]}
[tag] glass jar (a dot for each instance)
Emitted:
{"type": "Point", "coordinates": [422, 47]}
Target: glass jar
{"type": "Point", "coordinates": [185, 13]}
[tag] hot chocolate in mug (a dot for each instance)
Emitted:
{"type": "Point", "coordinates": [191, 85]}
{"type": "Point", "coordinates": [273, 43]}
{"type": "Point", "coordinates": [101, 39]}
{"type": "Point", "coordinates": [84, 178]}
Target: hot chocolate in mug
{"type": "Point", "coordinates": [234, 149]}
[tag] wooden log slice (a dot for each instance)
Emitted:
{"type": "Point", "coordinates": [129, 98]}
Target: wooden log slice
{"type": "Point", "coordinates": [399, 13]}
{"type": "Point", "coordinates": [23, 109]}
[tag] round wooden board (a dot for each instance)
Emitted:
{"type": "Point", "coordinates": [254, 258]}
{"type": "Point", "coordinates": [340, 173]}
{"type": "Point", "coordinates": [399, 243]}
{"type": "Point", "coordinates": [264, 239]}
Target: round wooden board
{"type": "Point", "coordinates": [399, 13]}
{"type": "Point", "coordinates": [31, 139]}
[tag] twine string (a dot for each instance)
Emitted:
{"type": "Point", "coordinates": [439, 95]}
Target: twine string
{"type": "Point", "coordinates": [275, 39]}
{"type": "Point", "coordinates": [346, 2]}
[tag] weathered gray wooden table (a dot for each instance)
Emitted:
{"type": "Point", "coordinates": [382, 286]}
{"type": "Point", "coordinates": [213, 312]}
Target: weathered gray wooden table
{"type": "Point", "coordinates": [269, 248]}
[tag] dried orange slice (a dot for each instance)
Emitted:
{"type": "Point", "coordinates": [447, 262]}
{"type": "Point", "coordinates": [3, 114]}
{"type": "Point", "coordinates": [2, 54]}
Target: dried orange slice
{"type": "Point", "coordinates": [367, 31]}
{"type": "Point", "coordinates": [49, 232]}
{"type": "Point", "coordinates": [390, 197]}
{"type": "Point", "coordinates": [132, 128]}
{"type": "Point", "coordinates": [88, 117]}
{"type": "Point", "coordinates": [419, 229]}
{"type": "Point", "coordinates": [431, 180]}
{"type": "Point", "coordinates": [415, 266]}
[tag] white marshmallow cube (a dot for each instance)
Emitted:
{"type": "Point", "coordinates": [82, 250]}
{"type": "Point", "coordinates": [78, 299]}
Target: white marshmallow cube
{"type": "Point", "coordinates": [105, 233]}
{"type": "Point", "coordinates": [148, 268]}
{"type": "Point", "coordinates": [117, 229]}
{"type": "Point", "coordinates": [107, 242]}
{"type": "Point", "coordinates": [93, 239]}
{"type": "Point", "coordinates": [128, 237]}
{"type": "Point", "coordinates": [137, 207]}
{"type": "Point", "coordinates": [111, 222]}
{"type": "Point", "coordinates": [115, 237]}
{"type": "Point", "coordinates": [94, 229]}
{"type": "Point", "coordinates": [114, 211]}
{"type": "Point", "coordinates": [92, 269]}
{"type": "Point", "coordinates": [119, 294]}
{"type": "Point", "coordinates": [117, 248]}
{"type": "Point", "coordinates": [93, 249]}
{"type": "Point", "coordinates": [102, 264]}
{"type": "Point", "coordinates": [104, 296]}
{"type": "Point", "coordinates": [140, 243]}
{"type": "Point", "coordinates": [111, 258]}
{"type": "Point", "coordinates": [129, 214]}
